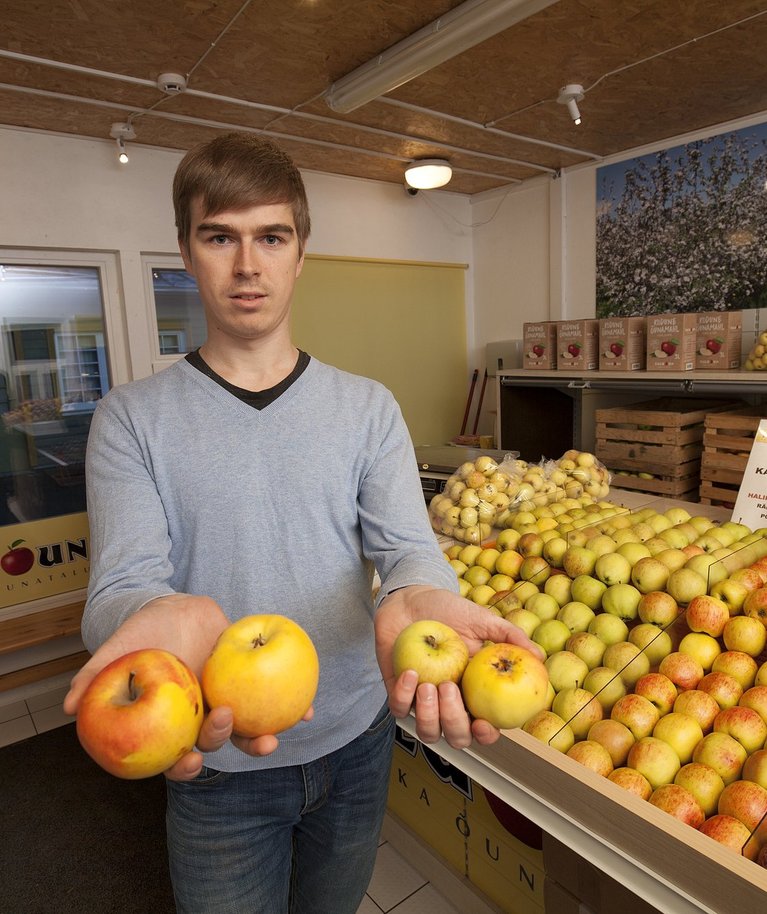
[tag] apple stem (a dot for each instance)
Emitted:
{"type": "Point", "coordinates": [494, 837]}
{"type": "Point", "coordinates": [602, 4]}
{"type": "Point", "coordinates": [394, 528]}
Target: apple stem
{"type": "Point", "coordinates": [431, 641]}
{"type": "Point", "coordinates": [259, 641]}
{"type": "Point", "coordinates": [132, 694]}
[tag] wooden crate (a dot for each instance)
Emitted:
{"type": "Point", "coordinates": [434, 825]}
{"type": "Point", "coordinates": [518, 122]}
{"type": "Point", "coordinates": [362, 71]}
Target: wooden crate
{"type": "Point", "coordinates": [726, 448]}
{"type": "Point", "coordinates": [662, 437]}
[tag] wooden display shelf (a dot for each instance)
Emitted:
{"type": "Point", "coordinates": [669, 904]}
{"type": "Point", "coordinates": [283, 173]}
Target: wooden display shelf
{"type": "Point", "coordinates": [726, 448]}
{"type": "Point", "coordinates": [33, 629]}
{"type": "Point", "coordinates": [662, 437]}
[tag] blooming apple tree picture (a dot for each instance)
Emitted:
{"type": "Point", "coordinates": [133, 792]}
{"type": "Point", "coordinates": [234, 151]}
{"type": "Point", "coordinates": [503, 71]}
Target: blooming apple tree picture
{"type": "Point", "coordinates": [684, 229]}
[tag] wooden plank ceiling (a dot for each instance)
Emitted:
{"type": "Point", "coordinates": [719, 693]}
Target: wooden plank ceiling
{"type": "Point", "coordinates": [651, 70]}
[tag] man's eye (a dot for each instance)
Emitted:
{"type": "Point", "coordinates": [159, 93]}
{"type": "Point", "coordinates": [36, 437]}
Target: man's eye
{"type": "Point", "coordinates": [219, 239]}
{"type": "Point", "coordinates": [272, 240]}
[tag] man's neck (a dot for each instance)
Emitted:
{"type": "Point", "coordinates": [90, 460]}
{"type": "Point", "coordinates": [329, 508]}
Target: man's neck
{"type": "Point", "coordinates": [251, 368]}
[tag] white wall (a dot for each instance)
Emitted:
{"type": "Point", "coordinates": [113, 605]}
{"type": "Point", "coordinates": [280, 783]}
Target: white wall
{"type": "Point", "coordinates": [68, 192]}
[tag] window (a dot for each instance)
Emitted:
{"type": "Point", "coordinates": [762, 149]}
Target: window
{"type": "Point", "coordinates": [53, 370]}
{"type": "Point", "coordinates": [178, 311]}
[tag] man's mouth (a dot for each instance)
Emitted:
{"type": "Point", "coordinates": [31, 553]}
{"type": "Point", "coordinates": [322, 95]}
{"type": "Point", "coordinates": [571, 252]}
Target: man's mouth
{"type": "Point", "coordinates": [248, 296]}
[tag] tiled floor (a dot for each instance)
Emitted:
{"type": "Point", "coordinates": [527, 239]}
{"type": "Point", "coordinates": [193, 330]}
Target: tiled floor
{"type": "Point", "coordinates": [396, 888]}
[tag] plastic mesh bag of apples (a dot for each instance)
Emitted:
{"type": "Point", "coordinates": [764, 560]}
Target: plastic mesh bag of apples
{"type": "Point", "coordinates": [483, 494]}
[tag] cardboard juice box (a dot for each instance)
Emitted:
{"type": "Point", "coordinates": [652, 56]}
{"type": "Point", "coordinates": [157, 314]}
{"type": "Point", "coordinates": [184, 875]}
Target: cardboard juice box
{"type": "Point", "coordinates": [539, 344]}
{"type": "Point", "coordinates": [671, 342]}
{"type": "Point", "coordinates": [622, 343]}
{"type": "Point", "coordinates": [717, 343]}
{"type": "Point", "coordinates": [577, 344]}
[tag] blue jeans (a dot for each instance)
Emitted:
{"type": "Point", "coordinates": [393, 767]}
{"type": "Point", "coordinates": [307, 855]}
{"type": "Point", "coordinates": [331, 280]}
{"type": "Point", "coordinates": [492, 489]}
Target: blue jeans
{"type": "Point", "coordinates": [295, 840]}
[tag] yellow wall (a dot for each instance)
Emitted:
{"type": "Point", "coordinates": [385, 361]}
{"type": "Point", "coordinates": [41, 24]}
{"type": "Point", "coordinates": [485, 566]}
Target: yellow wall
{"type": "Point", "coordinates": [401, 323]}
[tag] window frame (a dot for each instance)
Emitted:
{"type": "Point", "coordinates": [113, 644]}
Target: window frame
{"type": "Point", "coordinates": [150, 262]}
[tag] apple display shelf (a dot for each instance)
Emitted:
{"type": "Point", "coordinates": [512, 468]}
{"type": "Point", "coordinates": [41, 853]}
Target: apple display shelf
{"type": "Point", "coordinates": [664, 861]}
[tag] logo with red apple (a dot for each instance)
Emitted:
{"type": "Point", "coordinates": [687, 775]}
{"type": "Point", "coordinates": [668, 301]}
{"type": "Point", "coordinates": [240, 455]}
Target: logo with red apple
{"type": "Point", "coordinates": [617, 347]}
{"type": "Point", "coordinates": [714, 345]}
{"type": "Point", "coordinates": [18, 560]}
{"type": "Point", "coordinates": [574, 349]}
{"type": "Point", "coordinates": [669, 347]}
{"type": "Point", "coordinates": [538, 350]}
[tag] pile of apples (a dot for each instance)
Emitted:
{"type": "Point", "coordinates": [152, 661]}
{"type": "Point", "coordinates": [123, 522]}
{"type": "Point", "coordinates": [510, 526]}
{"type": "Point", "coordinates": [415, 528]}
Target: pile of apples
{"type": "Point", "coordinates": [757, 357]}
{"type": "Point", "coordinates": [654, 627]}
{"type": "Point", "coordinates": [483, 494]}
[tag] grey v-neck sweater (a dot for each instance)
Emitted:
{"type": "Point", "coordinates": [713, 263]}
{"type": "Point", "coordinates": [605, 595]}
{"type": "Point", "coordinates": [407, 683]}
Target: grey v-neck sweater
{"type": "Point", "coordinates": [287, 509]}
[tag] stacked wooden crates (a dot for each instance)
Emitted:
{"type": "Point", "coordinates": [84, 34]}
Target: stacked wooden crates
{"type": "Point", "coordinates": [726, 448]}
{"type": "Point", "coordinates": [656, 446]}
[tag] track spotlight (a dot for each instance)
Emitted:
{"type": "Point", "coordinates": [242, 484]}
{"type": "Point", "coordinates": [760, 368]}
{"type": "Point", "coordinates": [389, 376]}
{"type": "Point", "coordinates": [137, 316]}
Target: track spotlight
{"type": "Point", "coordinates": [570, 95]}
{"type": "Point", "coordinates": [122, 132]}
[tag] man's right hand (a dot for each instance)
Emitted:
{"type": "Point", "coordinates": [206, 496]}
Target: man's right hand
{"type": "Point", "coordinates": [187, 626]}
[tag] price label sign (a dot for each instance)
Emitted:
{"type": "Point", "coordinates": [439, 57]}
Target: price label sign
{"type": "Point", "coordinates": [751, 505]}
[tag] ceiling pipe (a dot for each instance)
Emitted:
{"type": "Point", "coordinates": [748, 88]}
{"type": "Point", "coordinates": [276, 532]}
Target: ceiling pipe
{"type": "Point", "coordinates": [458, 30]}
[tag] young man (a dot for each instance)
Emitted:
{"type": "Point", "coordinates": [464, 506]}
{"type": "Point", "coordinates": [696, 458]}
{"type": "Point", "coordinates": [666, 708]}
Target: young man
{"type": "Point", "coordinates": [250, 478]}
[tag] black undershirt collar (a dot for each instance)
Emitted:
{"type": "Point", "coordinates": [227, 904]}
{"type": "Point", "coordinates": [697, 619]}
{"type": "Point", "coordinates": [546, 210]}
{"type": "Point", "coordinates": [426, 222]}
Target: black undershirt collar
{"type": "Point", "coordinates": [258, 399]}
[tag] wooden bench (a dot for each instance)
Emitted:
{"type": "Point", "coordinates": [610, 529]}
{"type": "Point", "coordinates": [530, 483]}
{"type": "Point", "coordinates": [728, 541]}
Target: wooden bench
{"type": "Point", "coordinates": [38, 628]}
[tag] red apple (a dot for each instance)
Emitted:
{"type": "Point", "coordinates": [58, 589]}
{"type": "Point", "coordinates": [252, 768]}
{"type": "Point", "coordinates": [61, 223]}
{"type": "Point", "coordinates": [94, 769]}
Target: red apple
{"type": "Point", "coordinates": [593, 755]}
{"type": "Point", "coordinates": [714, 345]}
{"type": "Point", "coordinates": [699, 705]}
{"type": "Point", "coordinates": [140, 714]}
{"type": "Point", "coordinates": [658, 689]}
{"type": "Point", "coordinates": [615, 737]}
{"type": "Point", "coordinates": [755, 605]}
{"type": "Point", "coordinates": [723, 688]}
{"type": "Point", "coordinates": [730, 833]}
{"type": "Point", "coordinates": [669, 347]}
{"type": "Point", "coordinates": [745, 801]}
{"type": "Point", "coordinates": [678, 802]}
{"type": "Point", "coordinates": [636, 713]}
{"type": "Point", "coordinates": [616, 348]}
{"type": "Point", "coordinates": [658, 607]}
{"type": "Point", "coordinates": [682, 669]}
{"type": "Point", "coordinates": [755, 698]}
{"type": "Point", "coordinates": [18, 560]}
{"type": "Point", "coordinates": [632, 780]}
{"type": "Point", "coordinates": [755, 768]}
{"type": "Point", "coordinates": [743, 724]}
{"type": "Point", "coordinates": [707, 614]}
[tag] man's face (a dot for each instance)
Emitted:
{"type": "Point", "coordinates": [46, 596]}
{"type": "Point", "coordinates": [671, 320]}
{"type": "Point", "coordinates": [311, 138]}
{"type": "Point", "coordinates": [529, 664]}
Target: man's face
{"type": "Point", "coordinates": [246, 263]}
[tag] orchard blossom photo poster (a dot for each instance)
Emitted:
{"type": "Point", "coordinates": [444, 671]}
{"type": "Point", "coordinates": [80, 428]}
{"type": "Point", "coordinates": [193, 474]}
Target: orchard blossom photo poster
{"type": "Point", "coordinates": [684, 229]}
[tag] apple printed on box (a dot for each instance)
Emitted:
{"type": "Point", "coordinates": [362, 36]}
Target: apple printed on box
{"type": "Point", "coordinates": [539, 344]}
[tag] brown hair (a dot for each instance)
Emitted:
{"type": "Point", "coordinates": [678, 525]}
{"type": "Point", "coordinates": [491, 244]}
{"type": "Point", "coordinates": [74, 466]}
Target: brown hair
{"type": "Point", "coordinates": [236, 170]}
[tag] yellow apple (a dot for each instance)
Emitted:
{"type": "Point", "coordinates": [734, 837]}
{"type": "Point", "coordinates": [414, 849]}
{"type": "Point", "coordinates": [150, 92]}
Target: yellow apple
{"type": "Point", "coordinates": [655, 759]}
{"type": "Point", "coordinates": [699, 705]}
{"type": "Point", "coordinates": [605, 685]}
{"type": "Point", "coordinates": [140, 714]}
{"type": "Point", "coordinates": [703, 783]}
{"type": "Point", "coordinates": [505, 685]}
{"type": "Point", "coordinates": [579, 708]}
{"type": "Point", "coordinates": [681, 731]}
{"type": "Point", "coordinates": [730, 833]}
{"type": "Point", "coordinates": [265, 668]}
{"type": "Point", "coordinates": [549, 728]}
{"type": "Point", "coordinates": [702, 647]}
{"type": "Point", "coordinates": [743, 724]}
{"type": "Point", "coordinates": [637, 713]}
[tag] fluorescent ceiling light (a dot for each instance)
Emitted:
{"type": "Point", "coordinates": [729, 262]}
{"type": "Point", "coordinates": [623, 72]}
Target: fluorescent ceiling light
{"type": "Point", "coordinates": [463, 27]}
{"type": "Point", "coordinates": [426, 174]}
